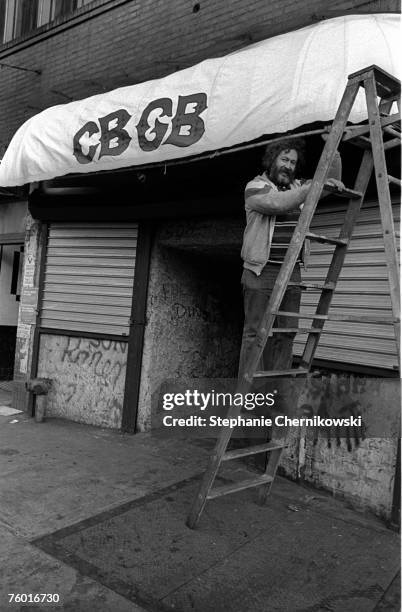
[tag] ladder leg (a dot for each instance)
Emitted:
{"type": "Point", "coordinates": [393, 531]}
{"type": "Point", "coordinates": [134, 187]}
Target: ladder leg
{"type": "Point", "coordinates": [273, 460]}
{"type": "Point", "coordinates": [211, 471]}
{"type": "Point", "coordinates": [381, 175]}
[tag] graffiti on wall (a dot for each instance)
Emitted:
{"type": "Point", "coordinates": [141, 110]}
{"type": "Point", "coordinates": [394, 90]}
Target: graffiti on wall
{"type": "Point", "coordinates": [182, 305]}
{"type": "Point", "coordinates": [88, 378]}
{"type": "Point", "coordinates": [106, 370]}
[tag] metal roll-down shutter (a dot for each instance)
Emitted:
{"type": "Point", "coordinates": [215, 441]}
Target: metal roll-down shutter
{"type": "Point", "coordinates": [362, 289]}
{"type": "Point", "coordinates": [89, 275]}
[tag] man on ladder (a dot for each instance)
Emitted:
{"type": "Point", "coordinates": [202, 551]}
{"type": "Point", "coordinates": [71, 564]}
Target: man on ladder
{"type": "Point", "coordinates": [273, 201]}
{"type": "Point", "coordinates": [383, 127]}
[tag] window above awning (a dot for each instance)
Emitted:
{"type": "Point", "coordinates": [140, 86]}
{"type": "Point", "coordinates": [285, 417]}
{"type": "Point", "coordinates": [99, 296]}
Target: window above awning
{"type": "Point", "coordinates": [270, 87]}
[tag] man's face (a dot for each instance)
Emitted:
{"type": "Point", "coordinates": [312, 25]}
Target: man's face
{"type": "Point", "coordinates": [282, 171]}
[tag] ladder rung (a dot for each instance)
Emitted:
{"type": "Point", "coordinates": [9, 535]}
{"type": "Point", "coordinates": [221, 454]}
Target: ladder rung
{"type": "Point", "coordinates": [390, 144]}
{"type": "Point", "coordinates": [394, 181]}
{"type": "Point", "coordinates": [392, 98]}
{"type": "Point", "coordinates": [392, 131]}
{"type": "Point", "coordinates": [343, 193]}
{"type": "Point", "coordinates": [335, 317]}
{"type": "Point", "coordinates": [252, 450]}
{"type": "Point", "coordinates": [393, 120]}
{"type": "Point", "coordinates": [361, 141]}
{"type": "Point", "coordinates": [355, 131]}
{"type": "Point", "coordinates": [361, 319]}
{"type": "Point", "coordinates": [295, 330]}
{"type": "Point", "coordinates": [315, 286]}
{"type": "Point", "coordinates": [274, 373]}
{"type": "Point", "coordinates": [326, 239]}
{"type": "Point", "coordinates": [299, 315]}
{"type": "Point", "coordinates": [387, 119]}
{"type": "Point", "coordinates": [233, 487]}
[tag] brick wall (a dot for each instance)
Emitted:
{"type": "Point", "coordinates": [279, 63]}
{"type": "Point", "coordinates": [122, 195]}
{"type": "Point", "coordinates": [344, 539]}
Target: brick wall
{"type": "Point", "coordinates": [111, 43]}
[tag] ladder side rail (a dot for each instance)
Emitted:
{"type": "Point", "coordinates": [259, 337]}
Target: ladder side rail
{"type": "Point", "coordinates": [338, 258]}
{"type": "Point", "coordinates": [215, 460]}
{"type": "Point", "coordinates": [272, 464]}
{"type": "Point", "coordinates": [211, 470]}
{"type": "Point", "coordinates": [385, 204]}
{"type": "Point", "coordinates": [282, 280]}
{"type": "Point", "coordinates": [352, 213]}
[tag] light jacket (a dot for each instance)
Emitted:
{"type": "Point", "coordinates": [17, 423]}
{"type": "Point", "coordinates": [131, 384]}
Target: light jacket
{"type": "Point", "coordinates": [257, 239]}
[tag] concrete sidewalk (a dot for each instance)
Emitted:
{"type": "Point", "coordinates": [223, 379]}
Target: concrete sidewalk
{"type": "Point", "coordinates": [98, 517]}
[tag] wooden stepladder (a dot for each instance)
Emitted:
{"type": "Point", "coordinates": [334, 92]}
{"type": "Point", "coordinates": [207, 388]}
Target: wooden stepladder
{"type": "Point", "coordinates": [380, 133]}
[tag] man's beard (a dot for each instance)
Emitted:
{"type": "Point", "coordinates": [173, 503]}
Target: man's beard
{"type": "Point", "coordinates": [282, 178]}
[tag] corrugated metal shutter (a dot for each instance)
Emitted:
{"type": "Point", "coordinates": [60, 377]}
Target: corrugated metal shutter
{"type": "Point", "coordinates": [362, 290]}
{"type": "Point", "coordinates": [89, 277]}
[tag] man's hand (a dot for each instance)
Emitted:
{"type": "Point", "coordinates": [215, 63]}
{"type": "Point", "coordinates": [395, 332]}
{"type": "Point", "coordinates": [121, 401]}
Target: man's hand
{"type": "Point", "coordinates": [331, 181]}
{"type": "Point", "coordinates": [336, 183]}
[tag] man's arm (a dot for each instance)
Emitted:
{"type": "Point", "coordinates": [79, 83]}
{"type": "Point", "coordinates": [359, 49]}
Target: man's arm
{"type": "Point", "coordinates": [264, 199]}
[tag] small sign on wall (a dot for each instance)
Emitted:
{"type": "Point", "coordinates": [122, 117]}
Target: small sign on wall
{"type": "Point", "coordinates": [29, 300]}
{"type": "Point", "coordinates": [29, 271]}
{"type": "Point", "coordinates": [27, 314]}
{"type": "Point", "coordinates": [29, 296]}
{"type": "Point", "coordinates": [23, 337]}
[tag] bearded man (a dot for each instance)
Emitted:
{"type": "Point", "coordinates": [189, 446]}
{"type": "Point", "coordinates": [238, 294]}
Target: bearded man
{"type": "Point", "coordinates": [273, 201]}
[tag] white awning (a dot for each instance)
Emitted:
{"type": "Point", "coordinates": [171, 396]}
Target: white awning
{"type": "Point", "coordinates": [269, 87]}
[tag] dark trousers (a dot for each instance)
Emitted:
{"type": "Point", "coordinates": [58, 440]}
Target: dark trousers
{"type": "Point", "coordinates": [278, 352]}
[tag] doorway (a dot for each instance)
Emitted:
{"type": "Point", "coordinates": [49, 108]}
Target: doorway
{"type": "Point", "coordinates": [11, 262]}
{"type": "Point", "coordinates": [194, 307]}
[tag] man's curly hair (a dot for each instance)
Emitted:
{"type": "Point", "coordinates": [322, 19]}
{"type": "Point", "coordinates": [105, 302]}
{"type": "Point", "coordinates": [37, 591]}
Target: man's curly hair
{"type": "Point", "coordinates": [273, 150]}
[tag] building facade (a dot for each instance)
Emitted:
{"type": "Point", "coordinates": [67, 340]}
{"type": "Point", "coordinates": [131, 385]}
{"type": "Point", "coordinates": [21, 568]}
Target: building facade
{"type": "Point", "coordinates": [132, 278]}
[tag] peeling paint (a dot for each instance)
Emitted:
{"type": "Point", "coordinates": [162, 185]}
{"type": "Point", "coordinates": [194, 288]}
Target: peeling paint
{"type": "Point", "coordinates": [358, 469]}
